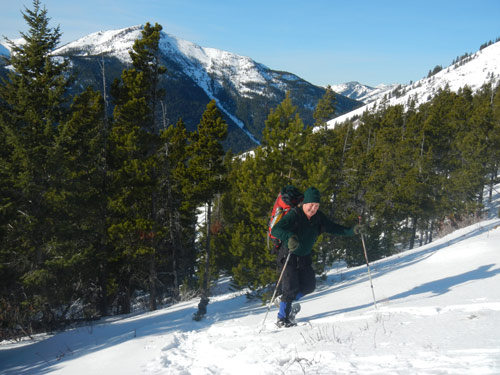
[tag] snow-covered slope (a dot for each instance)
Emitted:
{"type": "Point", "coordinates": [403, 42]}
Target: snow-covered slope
{"type": "Point", "coordinates": [438, 313]}
{"type": "Point", "coordinates": [363, 93]}
{"type": "Point", "coordinates": [474, 71]}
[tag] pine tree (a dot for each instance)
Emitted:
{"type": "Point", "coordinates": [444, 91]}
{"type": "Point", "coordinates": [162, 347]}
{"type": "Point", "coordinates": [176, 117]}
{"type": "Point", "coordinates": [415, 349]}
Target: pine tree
{"type": "Point", "coordinates": [438, 135]}
{"type": "Point", "coordinates": [80, 200]}
{"type": "Point", "coordinates": [33, 105]}
{"type": "Point", "coordinates": [494, 137]}
{"type": "Point", "coordinates": [322, 165]}
{"type": "Point", "coordinates": [178, 216]}
{"type": "Point", "coordinates": [255, 182]}
{"type": "Point", "coordinates": [254, 186]}
{"type": "Point", "coordinates": [472, 116]}
{"type": "Point", "coordinates": [135, 226]}
{"type": "Point", "coordinates": [358, 168]}
{"type": "Point", "coordinates": [207, 173]}
{"type": "Point", "coordinates": [325, 109]}
{"type": "Point", "coordinates": [283, 140]}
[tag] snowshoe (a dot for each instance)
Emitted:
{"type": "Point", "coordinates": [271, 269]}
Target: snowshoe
{"type": "Point", "coordinates": [285, 323]}
{"type": "Point", "coordinates": [197, 316]}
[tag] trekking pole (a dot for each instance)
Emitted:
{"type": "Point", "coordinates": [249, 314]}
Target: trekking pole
{"type": "Point", "coordinates": [368, 266]}
{"type": "Point", "coordinates": [274, 294]}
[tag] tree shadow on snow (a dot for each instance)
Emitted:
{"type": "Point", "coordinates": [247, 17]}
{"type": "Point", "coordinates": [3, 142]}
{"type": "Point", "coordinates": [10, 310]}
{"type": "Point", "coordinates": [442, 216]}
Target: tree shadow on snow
{"type": "Point", "coordinates": [433, 288]}
{"type": "Point", "coordinates": [400, 261]}
{"type": "Point", "coordinates": [442, 286]}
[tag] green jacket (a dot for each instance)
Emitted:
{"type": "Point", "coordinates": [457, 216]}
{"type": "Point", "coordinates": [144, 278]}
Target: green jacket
{"type": "Point", "coordinates": [296, 222]}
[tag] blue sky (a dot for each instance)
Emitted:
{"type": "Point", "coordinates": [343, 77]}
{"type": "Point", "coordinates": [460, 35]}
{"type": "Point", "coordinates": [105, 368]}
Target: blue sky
{"type": "Point", "coordinates": [322, 41]}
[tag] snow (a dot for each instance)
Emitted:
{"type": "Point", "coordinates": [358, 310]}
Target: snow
{"type": "Point", "coordinates": [363, 93]}
{"type": "Point", "coordinates": [438, 313]}
{"type": "Point", "coordinates": [116, 42]}
{"type": "Point", "coordinates": [210, 68]}
{"type": "Point", "coordinates": [4, 50]}
{"type": "Point", "coordinates": [480, 68]}
{"type": "Point", "coordinates": [198, 61]}
{"type": "Point", "coordinates": [5, 47]}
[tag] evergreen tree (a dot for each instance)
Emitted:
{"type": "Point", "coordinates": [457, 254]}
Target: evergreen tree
{"type": "Point", "coordinates": [323, 169]}
{"type": "Point", "coordinates": [438, 135]}
{"type": "Point", "coordinates": [80, 199]}
{"type": "Point", "coordinates": [472, 116]}
{"type": "Point", "coordinates": [412, 199]}
{"type": "Point", "coordinates": [283, 141]}
{"type": "Point", "coordinates": [255, 182]}
{"type": "Point", "coordinates": [135, 226]}
{"type": "Point", "coordinates": [325, 109]}
{"type": "Point", "coordinates": [254, 187]}
{"type": "Point", "coordinates": [178, 216]}
{"type": "Point", "coordinates": [494, 137]}
{"type": "Point", "coordinates": [207, 174]}
{"type": "Point", "coordinates": [359, 193]}
{"type": "Point", "coordinates": [33, 102]}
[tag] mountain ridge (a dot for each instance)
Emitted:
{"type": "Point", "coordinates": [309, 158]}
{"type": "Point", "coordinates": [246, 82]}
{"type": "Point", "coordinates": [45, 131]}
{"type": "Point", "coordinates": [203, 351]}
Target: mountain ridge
{"type": "Point", "coordinates": [363, 93]}
{"type": "Point", "coordinates": [244, 89]}
{"type": "Point", "coordinates": [473, 71]}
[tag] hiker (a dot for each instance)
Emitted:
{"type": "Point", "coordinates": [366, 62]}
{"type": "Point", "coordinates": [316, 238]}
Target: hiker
{"type": "Point", "coordinates": [298, 231]}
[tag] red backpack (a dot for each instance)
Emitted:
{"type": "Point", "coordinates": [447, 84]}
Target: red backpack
{"type": "Point", "coordinates": [288, 198]}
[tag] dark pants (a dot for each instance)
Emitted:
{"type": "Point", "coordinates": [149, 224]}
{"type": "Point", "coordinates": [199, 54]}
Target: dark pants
{"type": "Point", "coordinates": [299, 278]}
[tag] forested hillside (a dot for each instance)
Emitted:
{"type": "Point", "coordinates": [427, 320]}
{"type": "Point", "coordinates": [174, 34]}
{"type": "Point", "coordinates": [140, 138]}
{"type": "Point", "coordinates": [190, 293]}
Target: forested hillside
{"type": "Point", "coordinates": [100, 210]}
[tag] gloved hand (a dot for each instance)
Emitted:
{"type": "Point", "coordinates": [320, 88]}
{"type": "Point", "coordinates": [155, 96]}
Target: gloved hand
{"type": "Point", "coordinates": [293, 243]}
{"type": "Point", "coordinates": [359, 229]}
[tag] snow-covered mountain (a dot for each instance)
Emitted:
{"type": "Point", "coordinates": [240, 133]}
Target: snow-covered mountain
{"type": "Point", "coordinates": [363, 93]}
{"type": "Point", "coordinates": [472, 71]}
{"type": "Point", "coordinates": [245, 90]}
{"type": "Point", "coordinates": [202, 64]}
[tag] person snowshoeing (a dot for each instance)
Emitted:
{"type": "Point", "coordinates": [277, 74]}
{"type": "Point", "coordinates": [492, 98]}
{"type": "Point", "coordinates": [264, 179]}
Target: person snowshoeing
{"type": "Point", "coordinates": [298, 231]}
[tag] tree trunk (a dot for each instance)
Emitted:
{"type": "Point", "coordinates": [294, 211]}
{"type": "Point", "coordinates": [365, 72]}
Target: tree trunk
{"type": "Point", "coordinates": [124, 299]}
{"type": "Point", "coordinates": [202, 306]}
{"type": "Point", "coordinates": [103, 298]}
{"type": "Point", "coordinates": [206, 282]}
{"type": "Point", "coordinates": [413, 232]}
{"type": "Point", "coordinates": [174, 243]}
{"type": "Point", "coordinates": [152, 283]}
{"type": "Point", "coordinates": [492, 183]}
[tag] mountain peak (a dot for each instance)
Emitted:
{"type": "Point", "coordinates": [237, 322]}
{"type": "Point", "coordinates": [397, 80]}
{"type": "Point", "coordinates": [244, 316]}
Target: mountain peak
{"type": "Point", "coordinates": [361, 92]}
{"type": "Point", "coordinates": [112, 42]}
